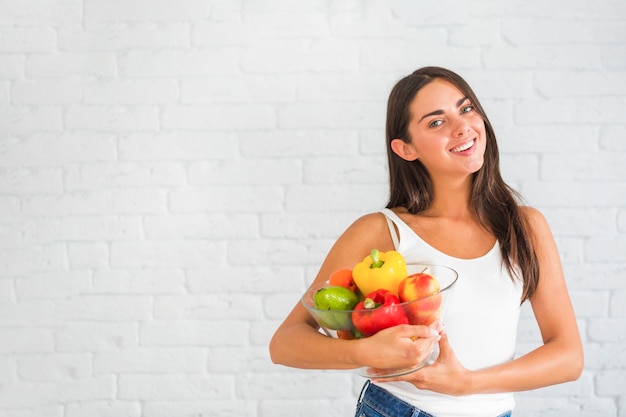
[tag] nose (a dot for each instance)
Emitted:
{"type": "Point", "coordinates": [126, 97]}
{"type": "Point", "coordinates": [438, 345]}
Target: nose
{"type": "Point", "coordinates": [460, 127]}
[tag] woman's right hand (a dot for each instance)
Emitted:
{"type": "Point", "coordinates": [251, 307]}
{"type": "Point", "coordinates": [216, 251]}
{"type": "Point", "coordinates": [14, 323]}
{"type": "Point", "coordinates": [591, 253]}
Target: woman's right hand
{"type": "Point", "coordinates": [400, 346]}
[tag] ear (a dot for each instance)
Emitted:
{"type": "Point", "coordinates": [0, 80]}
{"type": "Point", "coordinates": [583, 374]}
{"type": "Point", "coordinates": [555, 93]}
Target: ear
{"type": "Point", "coordinates": [404, 150]}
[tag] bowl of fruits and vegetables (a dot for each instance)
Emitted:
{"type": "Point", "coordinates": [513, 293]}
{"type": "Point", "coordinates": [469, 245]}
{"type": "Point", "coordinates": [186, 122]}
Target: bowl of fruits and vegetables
{"type": "Point", "coordinates": [380, 292]}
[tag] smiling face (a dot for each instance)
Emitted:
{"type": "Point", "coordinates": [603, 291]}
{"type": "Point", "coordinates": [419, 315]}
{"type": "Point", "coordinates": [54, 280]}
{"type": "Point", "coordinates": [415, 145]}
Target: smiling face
{"type": "Point", "coordinates": [447, 133]}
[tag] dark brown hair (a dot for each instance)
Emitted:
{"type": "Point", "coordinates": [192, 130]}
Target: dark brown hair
{"type": "Point", "coordinates": [494, 202]}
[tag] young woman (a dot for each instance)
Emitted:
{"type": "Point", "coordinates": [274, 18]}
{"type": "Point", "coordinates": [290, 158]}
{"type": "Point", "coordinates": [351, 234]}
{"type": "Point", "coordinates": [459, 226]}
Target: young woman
{"type": "Point", "coordinates": [449, 205]}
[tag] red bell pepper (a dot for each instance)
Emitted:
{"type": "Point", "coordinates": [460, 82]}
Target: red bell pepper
{"type": "Point", "coordinates": [379, 310]}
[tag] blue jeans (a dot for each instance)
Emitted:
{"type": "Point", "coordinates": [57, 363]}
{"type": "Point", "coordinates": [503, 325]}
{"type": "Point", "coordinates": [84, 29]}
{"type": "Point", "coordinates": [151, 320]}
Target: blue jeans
{"type": "Point", "coordinates": [377, 402]}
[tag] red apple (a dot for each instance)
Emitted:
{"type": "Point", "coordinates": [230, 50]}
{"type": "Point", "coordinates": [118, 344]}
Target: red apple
{"type": "Point", "coordinates": [422, 290]}
{"type": "Point", "coordinates": [342, 278]}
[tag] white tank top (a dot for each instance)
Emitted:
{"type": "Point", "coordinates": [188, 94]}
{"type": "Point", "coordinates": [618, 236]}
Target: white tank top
{"type": "Point", "coordinates": [481, 323]}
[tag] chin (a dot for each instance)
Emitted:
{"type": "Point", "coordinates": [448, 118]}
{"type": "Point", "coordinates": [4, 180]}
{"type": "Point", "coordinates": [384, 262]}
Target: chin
{"type": "Point", "coordinates": [474, 166]}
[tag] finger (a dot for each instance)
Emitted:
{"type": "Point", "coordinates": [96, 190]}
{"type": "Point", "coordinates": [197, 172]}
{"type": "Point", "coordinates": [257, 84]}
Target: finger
{"type": "Point", "coordinates": [415, 332]}
{"type": "Point", "coordinates": [411, 376]}
{"type": "Point", "coordinates": [444, 347]}
{"type": "Point", "coordinates": [439, 326]}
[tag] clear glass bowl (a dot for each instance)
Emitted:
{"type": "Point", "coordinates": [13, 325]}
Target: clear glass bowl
{"type": "Point", "coordinates": [424, 311]}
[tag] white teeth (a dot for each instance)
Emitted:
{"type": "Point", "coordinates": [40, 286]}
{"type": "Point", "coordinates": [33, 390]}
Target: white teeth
{"type": "Point", "coordinates": [463, 147]}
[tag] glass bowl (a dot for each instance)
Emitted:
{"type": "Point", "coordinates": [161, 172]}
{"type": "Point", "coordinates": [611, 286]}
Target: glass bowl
{"type": "Point", "coordinates": [423, 311]}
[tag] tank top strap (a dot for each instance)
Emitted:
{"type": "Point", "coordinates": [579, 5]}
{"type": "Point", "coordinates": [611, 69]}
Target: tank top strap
{"type": "Point", "coordinates": [394, 223]}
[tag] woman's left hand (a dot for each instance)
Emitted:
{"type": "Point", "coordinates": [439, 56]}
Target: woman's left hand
{"type": "Point", "coordinates": [447, 375]}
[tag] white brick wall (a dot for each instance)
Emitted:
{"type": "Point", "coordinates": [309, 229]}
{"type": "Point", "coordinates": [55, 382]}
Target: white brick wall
{"type": "Point", "coordinates": [173, 172]}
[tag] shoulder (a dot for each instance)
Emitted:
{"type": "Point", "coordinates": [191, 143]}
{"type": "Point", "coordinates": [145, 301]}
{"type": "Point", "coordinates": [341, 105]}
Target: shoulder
{"type": "Point", "coordinates": [535, 219]}
{"type": "Point", "coordinates": [531, 214]}
{"type": "Point", "coordinates": [369, 231]}
{"type": "Point", "coordinates": [371, 224]}
{"type": "Point", "coordinates": [357, 241]}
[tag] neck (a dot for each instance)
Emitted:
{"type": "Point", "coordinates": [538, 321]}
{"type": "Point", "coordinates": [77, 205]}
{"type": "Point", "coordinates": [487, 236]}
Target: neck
{"type": "Point", "coordinates": [452, 199]}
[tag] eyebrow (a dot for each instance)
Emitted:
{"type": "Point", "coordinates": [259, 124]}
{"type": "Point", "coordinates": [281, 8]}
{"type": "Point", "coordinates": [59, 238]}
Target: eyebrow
{"type": "Point", "coordinates": [437, 112]}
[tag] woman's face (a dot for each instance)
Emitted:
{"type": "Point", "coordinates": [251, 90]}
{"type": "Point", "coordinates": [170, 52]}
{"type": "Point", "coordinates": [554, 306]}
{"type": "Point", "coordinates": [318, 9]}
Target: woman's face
{"type": "Point", "coordinates": [447, 134]}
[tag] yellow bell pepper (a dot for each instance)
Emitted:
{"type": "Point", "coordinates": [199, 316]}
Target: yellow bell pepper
{"type": "Point", "coordinates": [380, 270]}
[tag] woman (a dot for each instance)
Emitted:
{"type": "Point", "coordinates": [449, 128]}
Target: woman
{"type": "Point", "coordinates": [449, 205]}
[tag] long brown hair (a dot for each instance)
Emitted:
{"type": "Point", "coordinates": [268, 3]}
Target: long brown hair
{"type": "Point", "coordinates": [494, 202]}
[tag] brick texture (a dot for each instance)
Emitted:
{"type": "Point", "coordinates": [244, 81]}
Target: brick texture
{"type": "Point", "coordinates": [172, 173]}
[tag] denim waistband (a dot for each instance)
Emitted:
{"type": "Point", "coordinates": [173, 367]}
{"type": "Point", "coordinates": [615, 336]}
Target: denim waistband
{"type": "Point", "coordinates": [386, 404]}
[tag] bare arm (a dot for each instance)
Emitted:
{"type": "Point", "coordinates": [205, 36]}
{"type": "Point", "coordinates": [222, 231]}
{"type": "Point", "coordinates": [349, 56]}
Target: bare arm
{"type": "Point", "coordinates": [297, 342]}
{"type": "Point", "coordinates": [559, 359]}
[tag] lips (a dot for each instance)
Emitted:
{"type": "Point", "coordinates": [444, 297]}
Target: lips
{"type": "Point", "coordinates": [463, 147]}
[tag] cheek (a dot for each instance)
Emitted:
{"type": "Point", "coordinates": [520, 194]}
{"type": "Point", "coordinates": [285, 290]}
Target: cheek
{"type": "Point", "coordinates": [483, 143]}
{"type": "Point", "coordinates": [480, 125]}
{"type": "Point", "coordinates": [430, 141]}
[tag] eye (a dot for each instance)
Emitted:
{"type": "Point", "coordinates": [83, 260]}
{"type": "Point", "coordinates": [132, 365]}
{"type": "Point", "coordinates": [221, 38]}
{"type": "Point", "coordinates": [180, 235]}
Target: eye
{"type": "Point", "coordinates": [467, 109]}
{"type": "Point", "coordinates": [435, 123]}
